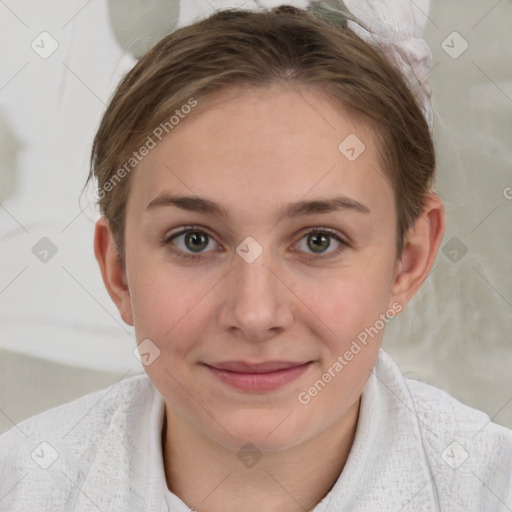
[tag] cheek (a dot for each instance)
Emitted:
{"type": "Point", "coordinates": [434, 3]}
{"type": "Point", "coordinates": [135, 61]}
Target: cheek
{"type": "Point", "coordinates": [350, 300]}
{"type": "Point", "coordinates": [167, 303]}
{"type": "Point", "coordinates": [351, 307]}
{"type": "Point", "coordinates": [168, 310]}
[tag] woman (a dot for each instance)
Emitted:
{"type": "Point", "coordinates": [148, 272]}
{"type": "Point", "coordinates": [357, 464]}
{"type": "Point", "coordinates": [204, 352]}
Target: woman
{"type": "Point", "coordinates": [265, 180]}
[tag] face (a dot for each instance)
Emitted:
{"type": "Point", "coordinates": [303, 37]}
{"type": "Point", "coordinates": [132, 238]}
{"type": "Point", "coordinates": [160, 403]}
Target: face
{"type": "Point", "coordinates": [301, 289]}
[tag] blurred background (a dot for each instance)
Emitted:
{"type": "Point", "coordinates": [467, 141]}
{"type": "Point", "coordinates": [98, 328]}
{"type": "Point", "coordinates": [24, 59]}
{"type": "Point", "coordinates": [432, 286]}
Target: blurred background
{"type": "Point", "coordinates": [61, 336]}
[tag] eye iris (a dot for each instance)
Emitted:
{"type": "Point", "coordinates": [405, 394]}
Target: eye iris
{"type": "Point", "coordinates": [320, 242]}
{"type": "Point", "coordinates": [198, 241]}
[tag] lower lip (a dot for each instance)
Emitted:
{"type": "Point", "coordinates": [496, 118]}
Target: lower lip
{"type": "Point", "coordinates": [259, 381]}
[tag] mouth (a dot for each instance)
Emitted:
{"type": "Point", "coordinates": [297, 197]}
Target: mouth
{"type": "Point", "coordinates": [264, 376]}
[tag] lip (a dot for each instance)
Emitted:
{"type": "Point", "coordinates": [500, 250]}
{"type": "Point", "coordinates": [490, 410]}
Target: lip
{"type": "Point", "coordinates": [264, 376]}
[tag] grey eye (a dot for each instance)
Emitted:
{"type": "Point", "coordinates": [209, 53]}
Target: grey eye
{"type": "Point", "coordinates": [196, 241]}
{"type": "Point", "coordinates": [191, 241]}
{"type": "Point", "coordinates": [318, 242]}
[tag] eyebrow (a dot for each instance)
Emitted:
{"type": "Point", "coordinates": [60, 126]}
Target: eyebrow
{"type": "Point", "coordinates": [298, 209]}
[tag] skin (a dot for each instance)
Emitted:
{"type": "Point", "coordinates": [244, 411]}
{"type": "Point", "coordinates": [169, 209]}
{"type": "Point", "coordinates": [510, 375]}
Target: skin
{"type": "Point", "coordinates": [253, 151]}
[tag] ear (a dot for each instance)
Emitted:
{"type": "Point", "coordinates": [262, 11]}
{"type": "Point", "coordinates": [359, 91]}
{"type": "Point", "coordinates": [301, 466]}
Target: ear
{"type": "Point", "coordinates": [421, 244]}
{"type": "Point", "coordinates": [112, 270]}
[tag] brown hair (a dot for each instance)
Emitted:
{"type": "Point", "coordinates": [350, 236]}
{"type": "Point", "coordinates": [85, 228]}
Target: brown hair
{"type": "Point", "coordinates": [247, 48]}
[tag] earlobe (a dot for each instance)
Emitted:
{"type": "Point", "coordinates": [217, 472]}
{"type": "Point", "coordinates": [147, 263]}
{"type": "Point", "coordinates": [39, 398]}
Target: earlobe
{"type": "Point", "coordinates": [112, 270]}
{"type": "Point", "coordinates": [421, 245]}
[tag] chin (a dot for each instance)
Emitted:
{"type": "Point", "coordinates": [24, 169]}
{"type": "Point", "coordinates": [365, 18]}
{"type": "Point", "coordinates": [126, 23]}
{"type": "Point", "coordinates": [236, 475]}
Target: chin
{"type": "Point", "coordinates": [274, 431]}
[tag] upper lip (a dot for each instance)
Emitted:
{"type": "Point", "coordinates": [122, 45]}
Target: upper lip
{"type": "Point", "coordinates": [263, 367]}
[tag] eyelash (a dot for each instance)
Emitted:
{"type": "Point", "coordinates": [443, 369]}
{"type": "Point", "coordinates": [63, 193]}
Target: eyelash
{"type": "Point", "coordinates": [326, 231]}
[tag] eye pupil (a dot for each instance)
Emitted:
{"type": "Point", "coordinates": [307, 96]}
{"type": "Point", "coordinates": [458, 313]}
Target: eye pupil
{"type": "Point", "coordinates": [198, 240]}
{"type": "Point", "coordinates": [320, 242]}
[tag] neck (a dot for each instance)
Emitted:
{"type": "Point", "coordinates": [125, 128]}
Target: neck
{"type": "Point", "coordinates": [210, 477]}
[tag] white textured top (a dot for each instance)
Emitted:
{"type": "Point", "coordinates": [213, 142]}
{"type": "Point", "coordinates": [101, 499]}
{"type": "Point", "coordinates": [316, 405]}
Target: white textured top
{"type": "Point", "coordinates": [416, 449]}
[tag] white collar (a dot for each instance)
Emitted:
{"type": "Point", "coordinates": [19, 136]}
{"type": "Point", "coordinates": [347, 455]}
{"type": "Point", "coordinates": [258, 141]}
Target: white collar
{"type": "Point", "coordinates": [387, 468]}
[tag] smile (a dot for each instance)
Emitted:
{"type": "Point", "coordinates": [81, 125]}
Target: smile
{"type": "Point", "coordinates": [265, 376]}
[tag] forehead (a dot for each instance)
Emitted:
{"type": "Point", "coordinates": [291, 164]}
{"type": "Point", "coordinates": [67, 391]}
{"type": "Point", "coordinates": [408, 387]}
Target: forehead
{"type": "Point", "coordinates": [259, 145]}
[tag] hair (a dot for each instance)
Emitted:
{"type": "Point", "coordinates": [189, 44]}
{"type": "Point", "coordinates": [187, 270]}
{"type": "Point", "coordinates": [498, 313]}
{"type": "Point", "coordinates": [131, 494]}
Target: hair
{"type": "Point", "coordinates": [284, 45]}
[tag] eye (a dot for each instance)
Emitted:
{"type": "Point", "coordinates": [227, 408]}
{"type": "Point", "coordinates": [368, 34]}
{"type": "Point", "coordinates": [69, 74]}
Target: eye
{"type": "Point", "coordinates": [191, 243]}
{"type": "Point", "coordinates": [318, 241]}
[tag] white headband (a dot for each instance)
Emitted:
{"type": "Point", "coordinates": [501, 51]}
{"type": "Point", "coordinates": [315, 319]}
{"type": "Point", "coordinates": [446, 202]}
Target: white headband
{"type": "Point", "coordinates": [394, 26]}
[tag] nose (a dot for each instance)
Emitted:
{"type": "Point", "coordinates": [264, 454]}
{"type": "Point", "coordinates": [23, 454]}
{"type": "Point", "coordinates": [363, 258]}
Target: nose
{"type": "Point", "coordinates": [257, 304]}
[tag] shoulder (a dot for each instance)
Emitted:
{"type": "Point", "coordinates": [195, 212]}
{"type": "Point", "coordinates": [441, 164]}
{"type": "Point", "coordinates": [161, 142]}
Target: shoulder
{"type": "Point", "coordinates": [468, 454]}
{"type": "Point", "coordinates": [67, 439]}
{"type": "Point", "coordinates": [98, 407]}
{"type": "Point", "coordinates": [441, 415]}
